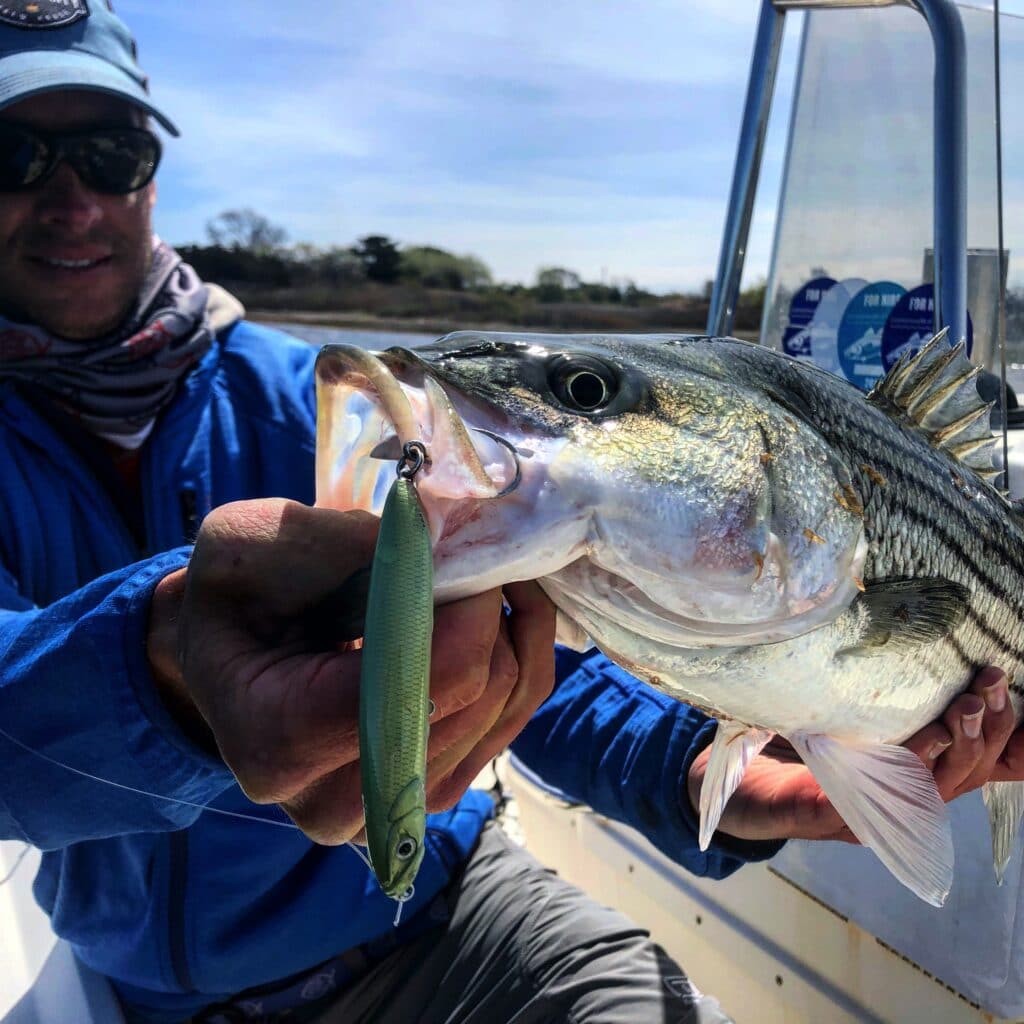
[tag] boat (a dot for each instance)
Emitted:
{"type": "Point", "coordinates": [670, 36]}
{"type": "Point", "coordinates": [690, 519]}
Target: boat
{"type": "Point", "coordinates": [888, 240]}
{"type": "Point", "coordinates": [880, 237]}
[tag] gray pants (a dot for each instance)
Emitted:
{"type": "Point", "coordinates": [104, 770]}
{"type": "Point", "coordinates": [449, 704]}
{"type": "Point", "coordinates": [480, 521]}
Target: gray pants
{"type": "Point", "coordinates": [525, 947]}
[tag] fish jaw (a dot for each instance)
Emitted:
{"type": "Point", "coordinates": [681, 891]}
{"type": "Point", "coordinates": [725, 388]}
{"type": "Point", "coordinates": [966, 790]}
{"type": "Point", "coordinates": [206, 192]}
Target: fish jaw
{"type": "Point", "coordinates": [367, 414]}
{"type": "Point", "coordinates": [476, 491]}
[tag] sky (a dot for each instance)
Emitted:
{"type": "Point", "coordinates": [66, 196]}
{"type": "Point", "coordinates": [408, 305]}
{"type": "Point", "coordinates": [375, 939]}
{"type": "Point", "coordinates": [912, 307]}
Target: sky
{"type": "Point", "coordinates": [598, 137]}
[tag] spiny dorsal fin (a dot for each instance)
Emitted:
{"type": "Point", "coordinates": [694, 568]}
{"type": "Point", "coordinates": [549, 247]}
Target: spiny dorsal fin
{"type": "Point", "coordinates": [935, 391]}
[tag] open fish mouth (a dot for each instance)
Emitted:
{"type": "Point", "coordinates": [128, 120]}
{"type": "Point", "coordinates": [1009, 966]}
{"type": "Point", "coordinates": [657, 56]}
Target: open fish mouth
{"type": "Point", "coordinates": [494, 514]}
{"type": "Point", "coordinates": [373, 404]}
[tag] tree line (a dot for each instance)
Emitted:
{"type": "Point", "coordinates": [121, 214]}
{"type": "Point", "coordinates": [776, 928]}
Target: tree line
{"type": "Point", "coordinates": [378, 279]}
{"type": "Point", "coordinates": [243, 246]}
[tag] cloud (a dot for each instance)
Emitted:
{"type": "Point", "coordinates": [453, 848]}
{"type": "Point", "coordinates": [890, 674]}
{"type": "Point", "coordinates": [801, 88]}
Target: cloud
{"type": "Point", "coordinates": [589, 136]}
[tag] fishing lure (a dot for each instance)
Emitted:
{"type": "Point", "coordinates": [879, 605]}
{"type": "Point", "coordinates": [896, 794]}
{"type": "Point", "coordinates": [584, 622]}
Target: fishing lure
{"type": "Point", "coordinates": [394, 686]}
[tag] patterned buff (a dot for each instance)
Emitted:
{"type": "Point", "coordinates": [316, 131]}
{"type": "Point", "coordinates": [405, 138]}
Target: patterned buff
{"type": "Point", "coordinates": [116, 385]}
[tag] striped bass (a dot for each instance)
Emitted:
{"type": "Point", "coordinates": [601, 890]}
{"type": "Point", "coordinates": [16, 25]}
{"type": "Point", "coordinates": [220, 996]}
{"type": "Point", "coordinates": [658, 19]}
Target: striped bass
{"type": "Point", "coordinates": [741, 530]}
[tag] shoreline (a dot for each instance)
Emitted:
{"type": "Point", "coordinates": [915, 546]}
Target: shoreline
{"type": "Point", "coordinates": [369, 322]}
{"type": "Point", "coordinates": [441, 326]}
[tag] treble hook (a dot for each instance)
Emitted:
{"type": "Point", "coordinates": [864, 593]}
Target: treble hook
{"type": "Point", "coordinates": [515, 458]}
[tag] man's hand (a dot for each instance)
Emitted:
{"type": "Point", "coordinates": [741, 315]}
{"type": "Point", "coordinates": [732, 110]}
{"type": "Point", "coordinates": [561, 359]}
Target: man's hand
{"type": "Point", "coordinates": [974, 742]}
{"type": "Point", "coordinates": [247, 652]}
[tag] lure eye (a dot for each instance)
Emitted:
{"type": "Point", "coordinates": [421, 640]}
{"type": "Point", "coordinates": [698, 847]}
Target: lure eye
{"type": "Point", "coordinates": [583, 385]}
{"type": "Point", "coordinates": [406, 848]}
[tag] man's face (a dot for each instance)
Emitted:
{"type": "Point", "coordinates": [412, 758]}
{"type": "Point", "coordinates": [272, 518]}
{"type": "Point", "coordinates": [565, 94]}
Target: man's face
{"type": "Point", "coordinates": [72, 260]}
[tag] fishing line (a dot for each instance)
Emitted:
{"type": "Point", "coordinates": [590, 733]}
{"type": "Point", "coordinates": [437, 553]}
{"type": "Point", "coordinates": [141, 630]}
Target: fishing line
{"type": "Point", "coordinates": [172, 800]}
{"type": "Point", "coordinates": [17, 864]}
{"type": "Point", "coordinates": [1000, 269]}
{"type": "Point", "coordinates": [143, 792]}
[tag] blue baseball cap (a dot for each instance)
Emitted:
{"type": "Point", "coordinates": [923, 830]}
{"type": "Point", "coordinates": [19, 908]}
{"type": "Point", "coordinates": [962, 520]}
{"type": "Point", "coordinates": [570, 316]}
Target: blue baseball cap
{"type": "Point", "coordinates": [47, 45]}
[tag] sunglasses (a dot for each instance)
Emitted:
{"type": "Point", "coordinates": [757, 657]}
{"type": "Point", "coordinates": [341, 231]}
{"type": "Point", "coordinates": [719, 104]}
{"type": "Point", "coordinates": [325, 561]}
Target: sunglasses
{"type": "Point", "coordinates": [113, 160]}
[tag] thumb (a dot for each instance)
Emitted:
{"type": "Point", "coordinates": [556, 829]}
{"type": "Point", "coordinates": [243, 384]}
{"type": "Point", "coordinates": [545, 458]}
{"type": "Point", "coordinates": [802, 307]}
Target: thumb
{"type": "Point", "coordinates": [290, 555]}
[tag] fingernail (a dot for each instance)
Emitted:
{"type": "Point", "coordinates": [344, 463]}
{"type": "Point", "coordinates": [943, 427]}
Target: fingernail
{"type": "Point", "coordinates": [938, 747]}
{"type": "Point", "coordinates": [972, 724]}
{"type": "Point", "coordinates": [995, 696]}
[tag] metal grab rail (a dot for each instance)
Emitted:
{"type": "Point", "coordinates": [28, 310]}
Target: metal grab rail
{"type": "Point", "coordinates": [950, 185]}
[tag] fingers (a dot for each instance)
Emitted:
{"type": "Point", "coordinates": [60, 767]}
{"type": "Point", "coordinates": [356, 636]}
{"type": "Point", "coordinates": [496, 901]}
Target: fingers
{"type": "Point", "coordinates": [479, 708]}
{"type": "Point", "coordinates": [465, 633]}
{"type": "Point", "coordinates": [330, 811]}
{"type": "Point", "coordinates": [966, 746]}
{"type": "Point", "coordinates": [314, 773]}
{"type": "Point", "coordinates": [454, 739]}
{"type": "Point", "coordinates": [980, 736]}
{"type": "Point", "coordinates": [529, 630]}
{"type": "Point", "coordinates": [524, 650]}
{"type": "Point", "coordinates": [997, 725]}
{"type": "Point", "coordinates": [292, 725]}
{"type": "Point", "coordinates": [931, 741]}
{"type": "Point", "coordinates": [963, 719]}
{"type": "Point", "coordinates": [1010, 766]}
{"type": "Point", "coordinates": [297, 737]}
{"type": "Point", "coordinates": [524, 657]}
{"type": "Point", "coordinates": [473, 671]}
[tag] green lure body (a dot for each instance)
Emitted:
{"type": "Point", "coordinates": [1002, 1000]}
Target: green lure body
{"type": "Point", "coordinates": [394, 691]}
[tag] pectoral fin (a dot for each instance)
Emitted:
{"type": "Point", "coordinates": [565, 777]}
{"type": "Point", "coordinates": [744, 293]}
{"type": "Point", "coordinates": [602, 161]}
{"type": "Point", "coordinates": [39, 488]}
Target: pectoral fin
{"type": "Point", "coordinates": [570, 633]}
{"type": "Point", "coordinates": [1005, 803]}
{"type": "Point", "coordinates": [909, 613]}
{"type": "Point", "coordinates": [735, 745]}
{"type": "Point", "coordinates": [891, 804]}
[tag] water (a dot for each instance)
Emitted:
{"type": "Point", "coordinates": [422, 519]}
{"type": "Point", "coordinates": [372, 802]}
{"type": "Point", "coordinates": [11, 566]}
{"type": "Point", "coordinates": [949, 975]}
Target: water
{"type": "Point", "coordinates": [317, 335]}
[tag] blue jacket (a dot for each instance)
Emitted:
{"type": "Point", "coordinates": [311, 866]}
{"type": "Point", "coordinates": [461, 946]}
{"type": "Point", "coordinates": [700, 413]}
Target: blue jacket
{"type": "Point", "coordinates": [182, 908]}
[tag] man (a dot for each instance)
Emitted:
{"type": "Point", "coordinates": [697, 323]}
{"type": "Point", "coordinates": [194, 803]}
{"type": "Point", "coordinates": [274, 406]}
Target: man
{"type": "Point", "coordinates": [156, 702]}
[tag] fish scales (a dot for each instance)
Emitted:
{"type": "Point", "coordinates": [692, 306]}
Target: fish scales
{"type": "Point", "coordinates": [919, 523]}
{"type": "Point", "coordinates": [918, 484]}
{"type": "Point", "coordinates": [744, 531]}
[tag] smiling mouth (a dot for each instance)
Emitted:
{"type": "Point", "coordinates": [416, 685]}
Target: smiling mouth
{"type": "Point", "coordinates": [58, 263]}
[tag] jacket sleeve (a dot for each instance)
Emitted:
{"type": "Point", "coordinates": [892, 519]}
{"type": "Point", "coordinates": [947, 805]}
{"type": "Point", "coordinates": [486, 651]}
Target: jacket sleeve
{"type": "Point", "coordinates": [84, 736]}
{"type": "Point", "coordinates": [625, 749]}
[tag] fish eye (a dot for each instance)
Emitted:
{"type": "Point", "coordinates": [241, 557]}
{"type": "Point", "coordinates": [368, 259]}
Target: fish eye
{"type": "Point", "coordinates": [587, 390]}
{"type": "Point", "coordinates": [584, 385]}
{"type": "Point", "coordinates": [406, 848]}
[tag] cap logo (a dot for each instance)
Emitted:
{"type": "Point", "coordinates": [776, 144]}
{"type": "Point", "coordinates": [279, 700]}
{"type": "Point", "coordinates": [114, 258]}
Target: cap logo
{"type": "Point", "coordinates": [42, 13]}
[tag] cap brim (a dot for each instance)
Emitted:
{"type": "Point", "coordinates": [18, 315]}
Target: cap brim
{"type": "Point", "coordinates": [36, 71]}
